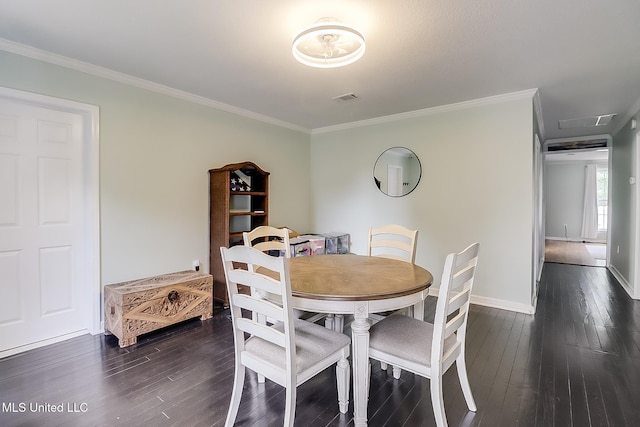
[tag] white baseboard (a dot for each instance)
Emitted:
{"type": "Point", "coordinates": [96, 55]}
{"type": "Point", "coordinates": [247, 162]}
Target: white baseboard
{"type": "Point", "coordinates": [503, 304]}
{"type": "Point", "coordinates": [21, 349]}
{"type": "Point", "coordinates": [575, 239]}
{"type": "Point", "coordinates": [564, 239]}
{"type": "Point", "coordinates": [494, 303]}
{"type": "Point", "coordinates": [623, 282]}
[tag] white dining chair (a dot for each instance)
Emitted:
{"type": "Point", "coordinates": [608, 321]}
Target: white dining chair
{"type": "Point", "coordinates": [275, 241]}
{"type": "Point", "coordinates": [429, 350]}
{"type": "Point", "coordinates": [290, 352]}
{"type": "Point", "coordinates": [393, 241]}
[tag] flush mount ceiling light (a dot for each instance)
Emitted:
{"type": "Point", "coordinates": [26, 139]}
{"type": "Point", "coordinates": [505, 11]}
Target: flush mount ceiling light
{"type": "Point", "coordinates": [328, 44]}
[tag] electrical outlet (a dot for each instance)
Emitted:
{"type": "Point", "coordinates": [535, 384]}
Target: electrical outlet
{"type": "Point", "coordinates": [196, 265]}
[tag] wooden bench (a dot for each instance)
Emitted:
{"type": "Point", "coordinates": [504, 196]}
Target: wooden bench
{"type": "Point", "coordinates": [140, 306]}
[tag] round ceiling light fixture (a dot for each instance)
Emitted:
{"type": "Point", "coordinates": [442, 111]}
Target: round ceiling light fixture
{"type": "Point", "coordinates": [328, 44]}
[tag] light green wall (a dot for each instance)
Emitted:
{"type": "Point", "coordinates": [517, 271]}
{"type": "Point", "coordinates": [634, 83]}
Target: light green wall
{"type": "Point", "coordinates": [476, 186]}
{"type": "Point", "coordinates": [564, 190]}
{"type": "Point", "coordinates": [624, 254]}
{"type": "Point", "coordinates": [155, 152]}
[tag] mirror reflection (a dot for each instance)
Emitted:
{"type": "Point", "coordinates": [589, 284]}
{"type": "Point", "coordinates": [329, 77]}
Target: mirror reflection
{"type": "Point", "coordinates": [397, 172]}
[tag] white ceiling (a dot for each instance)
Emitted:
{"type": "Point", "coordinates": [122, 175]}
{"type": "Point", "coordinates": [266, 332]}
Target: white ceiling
{"type": "Point", "coordinates": [583, 55]}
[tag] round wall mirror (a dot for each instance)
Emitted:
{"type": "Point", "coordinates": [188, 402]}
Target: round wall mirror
{"type": "Point", "coordinates": [397, 172]}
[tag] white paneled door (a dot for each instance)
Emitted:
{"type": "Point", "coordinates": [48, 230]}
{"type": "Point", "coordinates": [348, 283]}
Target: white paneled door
{"type": "Point", "coordinates": [44, 288]}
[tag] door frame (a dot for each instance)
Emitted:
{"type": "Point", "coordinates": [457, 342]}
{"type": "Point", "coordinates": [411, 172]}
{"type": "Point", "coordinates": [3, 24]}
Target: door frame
{"type": "Point", "coordinates": [635, 268]}
{"type": "Point", "coordinates": [92, 295]}
{"type": "Point", "coordinates": [538, 217]}
{"type": "Point", "coordinates": [394, 180]}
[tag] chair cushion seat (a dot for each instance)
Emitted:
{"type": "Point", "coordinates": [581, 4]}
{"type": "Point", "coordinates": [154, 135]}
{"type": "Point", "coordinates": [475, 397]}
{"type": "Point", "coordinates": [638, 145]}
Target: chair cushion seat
{"type": "Point", "coordinates": [313, 344]}
{"type": "Point", "coordinates": [406, 338]}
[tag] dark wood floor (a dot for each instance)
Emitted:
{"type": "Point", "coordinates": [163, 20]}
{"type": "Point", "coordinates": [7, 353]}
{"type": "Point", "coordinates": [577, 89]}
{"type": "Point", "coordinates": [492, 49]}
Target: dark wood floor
{"type": "Point", "coordinates": [575, 363]}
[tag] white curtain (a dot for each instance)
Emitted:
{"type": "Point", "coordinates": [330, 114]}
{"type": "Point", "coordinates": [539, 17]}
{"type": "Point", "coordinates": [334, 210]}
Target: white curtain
{"type": "Point", "coordinates": [590, 211]}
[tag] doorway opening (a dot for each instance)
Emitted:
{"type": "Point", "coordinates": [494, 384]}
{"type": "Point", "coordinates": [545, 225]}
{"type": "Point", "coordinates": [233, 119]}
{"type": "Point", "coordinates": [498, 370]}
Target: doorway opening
{"type": "Point", "coordinates": [577, 220]}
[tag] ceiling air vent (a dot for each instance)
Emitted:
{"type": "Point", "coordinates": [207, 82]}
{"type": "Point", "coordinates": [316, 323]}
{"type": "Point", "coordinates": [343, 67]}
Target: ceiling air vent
{"type": "Point", "coordinates": [585, 122]}
{"type": "Point", "coordinates": [346, 97]}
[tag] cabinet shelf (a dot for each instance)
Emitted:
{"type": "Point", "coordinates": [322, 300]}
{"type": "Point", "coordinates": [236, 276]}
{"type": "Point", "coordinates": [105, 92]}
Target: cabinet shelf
{"type": "Point", "coordinates": [248, 193]}
{"type": "Point", "coordinates": [230, 211]}
{"type": "Point", "coordinates": [246, 213]}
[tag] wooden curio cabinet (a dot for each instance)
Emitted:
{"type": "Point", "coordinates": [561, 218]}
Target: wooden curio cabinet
{"type": "Point", "coordinates": [238, 202]}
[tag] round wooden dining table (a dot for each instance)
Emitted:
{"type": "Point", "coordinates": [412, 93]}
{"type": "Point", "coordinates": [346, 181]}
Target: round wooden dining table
{"type": "Point", "coordinates": [357, 285]}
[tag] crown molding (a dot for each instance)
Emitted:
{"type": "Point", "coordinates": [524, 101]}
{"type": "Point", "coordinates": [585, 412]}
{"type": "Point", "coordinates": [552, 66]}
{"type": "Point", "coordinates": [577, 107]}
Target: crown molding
{"type": "Point", "coordinates": [525, 94]}
{"type": "Point", "coordinates": [63, 61]}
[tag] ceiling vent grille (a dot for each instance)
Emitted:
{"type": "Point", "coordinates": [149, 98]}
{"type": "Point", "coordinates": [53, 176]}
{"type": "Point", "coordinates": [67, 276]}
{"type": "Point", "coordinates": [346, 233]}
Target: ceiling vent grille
{"type": "Point", "coordinates": [586, 122]}
{"type": "Point", "coordinates": [346, 97]}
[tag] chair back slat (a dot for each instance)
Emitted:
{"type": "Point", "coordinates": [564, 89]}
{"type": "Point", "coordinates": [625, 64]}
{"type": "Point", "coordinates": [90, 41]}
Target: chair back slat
{"type": "Point", "coordinates": [459, 272]}
{"type": "Point", "coordinates": [273, 311]}
{"type": "Point", "coordinates": [462, 277]}
{"type": "Point", "coordinates": [458, 300]}
{"type": "Point", "coordinates": [389, 243]}
{"type": "Point", "coordinates": [467, 256]}
{"type": "Point", "coordinates": [393, 241]}
{"type": "Point", "coordinates": [453, 325]}
{"type": "Point", "coordinates": [258, 281]}
{"type": "Point", "coordinates": [263, 331]}
{"type": "Point", "coordinates": [451, 354]}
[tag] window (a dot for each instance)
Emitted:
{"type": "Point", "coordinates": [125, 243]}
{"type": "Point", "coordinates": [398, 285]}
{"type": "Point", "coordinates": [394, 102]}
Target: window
{"type": "Point", "coordinates": [602, 182]}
